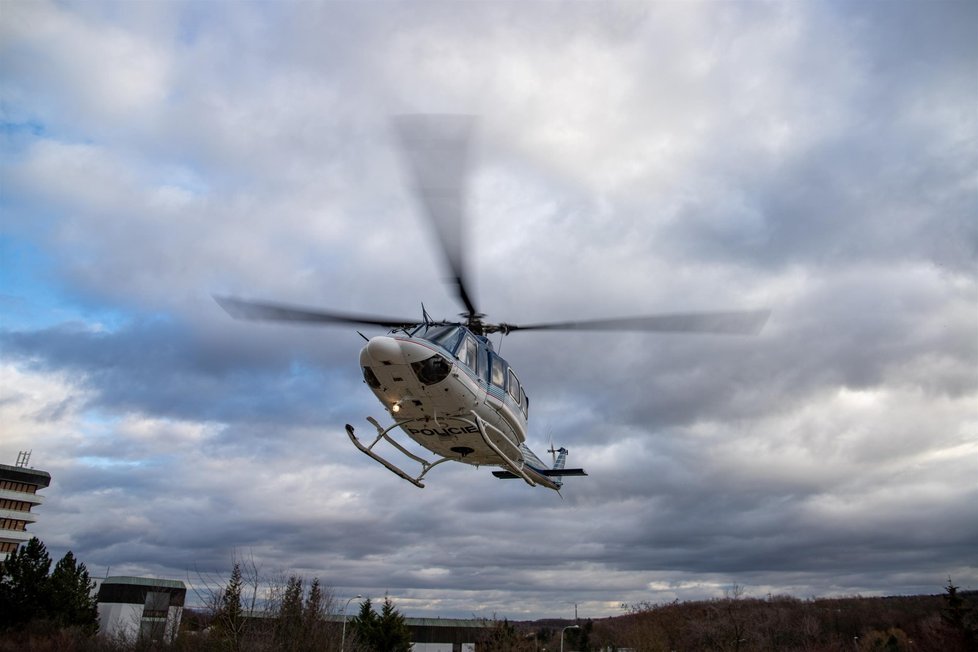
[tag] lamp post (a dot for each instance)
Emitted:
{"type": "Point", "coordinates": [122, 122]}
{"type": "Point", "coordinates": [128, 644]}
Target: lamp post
{"type": "Point", "coordinates": [343, 639]}
{"type": "Point", "coordinates": [562, 635]}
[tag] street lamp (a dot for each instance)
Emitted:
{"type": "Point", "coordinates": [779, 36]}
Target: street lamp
{"type": "Point", "coordinates": [562, 635]}
{"type": "Point", "coordinates": [343, 640]}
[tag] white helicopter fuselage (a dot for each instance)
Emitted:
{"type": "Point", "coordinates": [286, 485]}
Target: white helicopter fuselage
{"type": "Point", "coordinates": [439, 387]}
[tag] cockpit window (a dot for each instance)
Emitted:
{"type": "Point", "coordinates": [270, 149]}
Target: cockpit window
{"type": "Point", "coordinates": [444, 336]}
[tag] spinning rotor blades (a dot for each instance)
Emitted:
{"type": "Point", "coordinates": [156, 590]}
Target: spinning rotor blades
{"type": "Point", "coordinates": [737, 322]}
{"type": "Point", "coordinates": [436, 150]}
{"type": "Point", "coordinates": [263, 311]}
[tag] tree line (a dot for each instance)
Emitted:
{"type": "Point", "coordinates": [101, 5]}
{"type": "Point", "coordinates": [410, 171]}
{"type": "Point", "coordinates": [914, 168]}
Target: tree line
{"type": "Point", "coordinates": [43, 609]}
{"type": "Point", "coordinates": [736, 623]}
{"type": "Point", "coordinates": [34, 596]}
{"type": "Point", "coordinates": [252, 614]}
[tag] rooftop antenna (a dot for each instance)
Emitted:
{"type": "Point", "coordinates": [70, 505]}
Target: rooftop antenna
{"type": "Point", "coordinates": [23, 457]}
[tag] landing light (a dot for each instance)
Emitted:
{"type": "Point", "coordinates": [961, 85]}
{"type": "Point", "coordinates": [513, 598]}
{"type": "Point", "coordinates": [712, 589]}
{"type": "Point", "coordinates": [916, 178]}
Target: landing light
{"type": "Point", "coordinates": [396, 407]}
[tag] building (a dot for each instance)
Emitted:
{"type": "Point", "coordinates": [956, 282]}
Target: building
{"type": "Point", "coordinates": [18, 495]}
{"type": "Point", "coordinates": [446, 634]}
{"type": "Point", "coordinates": [140, 608]}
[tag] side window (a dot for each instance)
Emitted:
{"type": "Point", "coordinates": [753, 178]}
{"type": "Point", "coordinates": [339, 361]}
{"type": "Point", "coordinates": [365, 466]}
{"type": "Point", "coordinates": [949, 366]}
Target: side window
{"type": "Point", "coordinates": [514, 386]}
{"type": "Point", "coordinates": [498, 372]}
{"type": "Point", "coordinates": [524, 403]}
{"type": "Point", "coordinates": [485, 362]}
{"type": "Point", "coordinates": [468, 353]}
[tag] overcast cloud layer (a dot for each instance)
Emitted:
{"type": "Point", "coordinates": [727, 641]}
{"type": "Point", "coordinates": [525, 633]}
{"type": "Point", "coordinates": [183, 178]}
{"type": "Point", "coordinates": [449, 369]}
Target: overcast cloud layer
{"type": "Point", "coordinates": [815, 158]}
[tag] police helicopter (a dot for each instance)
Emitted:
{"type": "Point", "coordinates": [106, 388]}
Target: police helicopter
{"type": "Point", "coordinates": [441, 381]}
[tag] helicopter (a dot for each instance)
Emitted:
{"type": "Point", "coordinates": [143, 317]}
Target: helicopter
{"type": "Point", "coordinates": [441, 381]}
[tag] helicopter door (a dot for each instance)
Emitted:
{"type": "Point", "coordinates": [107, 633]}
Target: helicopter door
{"type": "Point", "coordinates": [516, 391]}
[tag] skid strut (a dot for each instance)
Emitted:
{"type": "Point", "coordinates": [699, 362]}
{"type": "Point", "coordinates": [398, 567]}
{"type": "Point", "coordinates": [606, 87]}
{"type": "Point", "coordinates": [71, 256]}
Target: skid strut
{"type": "Point", "coordinates": [382, 434]}
{"type": "Point", "coordinates": [519, 469]}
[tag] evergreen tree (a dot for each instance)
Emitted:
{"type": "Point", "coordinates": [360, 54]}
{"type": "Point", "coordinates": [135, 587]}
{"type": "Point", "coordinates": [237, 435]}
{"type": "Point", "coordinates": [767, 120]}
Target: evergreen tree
{"type": "Point", "coordinates": [365, 625]}
{"type": "Point", "coordinates": [959, 616]}
{"type": "Point", "coordinates": [288, 629]}
{"type": "Point", "coordinates": [394, 634]}
{"type": "Point", "coordinates": [315, 606]}
{"type": "Point", "coordinates": [25, 593]}
{"type": "Point", "coordinates": [230, 618]}
{"type": "Point", "coordinates": [73, 603]}
{"type": "Point", "coordinates": [954, 609]}
{"type": "Point", "coordinates": [314, 631]}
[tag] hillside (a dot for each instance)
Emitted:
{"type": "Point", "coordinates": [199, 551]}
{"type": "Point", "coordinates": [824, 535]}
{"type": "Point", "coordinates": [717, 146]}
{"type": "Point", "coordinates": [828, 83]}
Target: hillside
{"type": "Point", "coordinates": [941, 623]}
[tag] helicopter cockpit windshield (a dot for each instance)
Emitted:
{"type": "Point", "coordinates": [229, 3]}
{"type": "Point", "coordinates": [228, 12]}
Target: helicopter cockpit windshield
{"type": "Point", "coordinates": [460, 343]}
{"type": "Point", "coordinates": [446, 337]}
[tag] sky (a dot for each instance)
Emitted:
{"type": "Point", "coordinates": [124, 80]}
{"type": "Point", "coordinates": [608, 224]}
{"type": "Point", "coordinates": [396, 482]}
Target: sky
{"type": "Point", "coordinates": [819, 159]}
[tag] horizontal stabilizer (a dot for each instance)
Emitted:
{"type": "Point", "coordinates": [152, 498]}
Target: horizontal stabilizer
{"type": "Point", "coordinates": [550, 473]}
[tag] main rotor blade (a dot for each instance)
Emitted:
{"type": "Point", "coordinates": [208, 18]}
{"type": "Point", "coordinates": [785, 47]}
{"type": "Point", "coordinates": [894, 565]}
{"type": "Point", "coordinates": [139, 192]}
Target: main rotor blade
{"type": "Point", "coordinates": [737, 322]}
{"type": "Point", "coordinates": [264, 311]}
{"type": "Point", "coordinates": [436, 149]}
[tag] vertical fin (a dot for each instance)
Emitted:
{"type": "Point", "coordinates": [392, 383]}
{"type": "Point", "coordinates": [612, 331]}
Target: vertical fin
{"type": "Point", "coordinates": [561, 458]}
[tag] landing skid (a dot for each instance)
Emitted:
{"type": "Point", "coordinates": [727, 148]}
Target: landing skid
{"type": "Point", "coordinates": [517, 468]}
{"type": "Point", "coordinates": [382, 434]}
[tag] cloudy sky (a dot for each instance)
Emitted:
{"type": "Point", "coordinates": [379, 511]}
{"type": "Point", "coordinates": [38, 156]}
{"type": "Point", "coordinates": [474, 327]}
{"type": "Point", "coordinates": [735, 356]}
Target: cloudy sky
{"type": "Point", "coordinates": [819, 159]}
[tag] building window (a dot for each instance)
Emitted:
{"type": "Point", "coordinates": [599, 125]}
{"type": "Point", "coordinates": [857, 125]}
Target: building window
{"type": "Point", "coordinates": [15, 505]}
{"type": "Point", "coordinates": [22, 487]}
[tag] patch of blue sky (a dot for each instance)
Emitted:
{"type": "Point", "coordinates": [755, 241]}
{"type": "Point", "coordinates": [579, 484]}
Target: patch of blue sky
{"type": "Point", "coordinates": [33, 298]}
{"type": "Point", "coordinates": [29, 127]}
{"type": "Point", "coordinates": [182, 178]}
{"type": "Point", "coordinates": [103, 448]}
{"type": "Point", "coordinates": [16, 135]}
{"type": "Point", "coordinates": [196, 18]}
{"type": "Point", "coordinates": [100, 462]}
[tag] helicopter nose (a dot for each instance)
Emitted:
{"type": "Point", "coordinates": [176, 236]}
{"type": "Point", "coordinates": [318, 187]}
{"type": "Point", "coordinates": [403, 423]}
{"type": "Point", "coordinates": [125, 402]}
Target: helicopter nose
{"type": "Point", "coordinates": [385, 350]}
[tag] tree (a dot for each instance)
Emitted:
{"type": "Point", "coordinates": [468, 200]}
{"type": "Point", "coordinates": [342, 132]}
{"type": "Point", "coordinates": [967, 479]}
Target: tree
{"type": "Point", "coordinates": [503, 637]}
{"type": "Point", "coordinates": [24, 586]}
{"type": "Point", "coordinates": [385, 633]}
{"type": "Point", "coordinates": [958, 616]}
{"type": "Point", "coordinates": [72, 601]}
{"type": "Point", "coordinates": [314, 628]}
{"type": "Point", "coordinates": [315, 606]}
{"type": "Point", "coordinates": [29, 594]}
{"type": "Point", "coordinates": [288, 629]}
{"type": "Point", "coordinates": [954, 608]}
{"type": "Point", "coordinates": [230, 618]}
{"type": "Point", "coordinates": [365, 625]}
{"type": "Point", "coordinates": [394, 633]}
